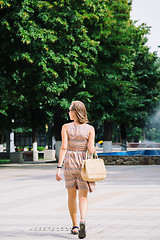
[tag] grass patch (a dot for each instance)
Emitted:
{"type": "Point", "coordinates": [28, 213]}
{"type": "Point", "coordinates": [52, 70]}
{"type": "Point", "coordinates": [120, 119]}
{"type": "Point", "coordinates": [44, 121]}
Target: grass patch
{"type": "Point", "coordinates": [4, 161]}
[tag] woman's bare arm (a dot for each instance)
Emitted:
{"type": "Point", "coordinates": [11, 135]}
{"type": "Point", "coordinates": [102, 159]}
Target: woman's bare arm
{"type": "Point", "coordinates": [91, 140]}
{"type": "Point", "coordinates": [63, 150]}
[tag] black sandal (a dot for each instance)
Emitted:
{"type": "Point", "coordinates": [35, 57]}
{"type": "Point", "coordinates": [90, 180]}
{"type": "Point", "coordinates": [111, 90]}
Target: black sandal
{"type": "Point", "coordinates": [73, 232]}
{"type": "Point", "coordinates": [82, 231]}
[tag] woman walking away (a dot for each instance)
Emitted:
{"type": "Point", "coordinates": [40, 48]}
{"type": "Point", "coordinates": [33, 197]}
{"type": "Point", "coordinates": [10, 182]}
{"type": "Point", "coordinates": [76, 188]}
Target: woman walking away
{"type": "Point", "coordinates": [77, 138]}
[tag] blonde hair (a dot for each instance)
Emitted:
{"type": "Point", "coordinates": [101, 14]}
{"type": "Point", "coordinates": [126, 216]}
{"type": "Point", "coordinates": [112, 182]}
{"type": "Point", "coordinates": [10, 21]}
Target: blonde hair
{"type": "Point", "coordinates": [80, 111]}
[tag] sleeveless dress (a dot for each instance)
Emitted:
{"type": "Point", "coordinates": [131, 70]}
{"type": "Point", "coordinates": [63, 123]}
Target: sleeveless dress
{"type": "Point", "coordinates": [78, 135]}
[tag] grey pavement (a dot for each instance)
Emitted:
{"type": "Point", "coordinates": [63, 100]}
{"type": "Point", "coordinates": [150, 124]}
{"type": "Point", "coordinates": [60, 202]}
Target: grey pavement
{"type": "Point", "coordinates": [33, 205]}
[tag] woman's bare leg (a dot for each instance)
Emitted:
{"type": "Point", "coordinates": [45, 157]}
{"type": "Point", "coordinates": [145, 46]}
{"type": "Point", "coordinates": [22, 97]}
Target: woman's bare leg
{"type": "Point", "coordinates": [83, 203]}
{"type": "Point", "coordinates": [72, 205]}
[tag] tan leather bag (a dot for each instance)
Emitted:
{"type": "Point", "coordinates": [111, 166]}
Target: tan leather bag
{"type": "Point", "coordinates": [93, 169]}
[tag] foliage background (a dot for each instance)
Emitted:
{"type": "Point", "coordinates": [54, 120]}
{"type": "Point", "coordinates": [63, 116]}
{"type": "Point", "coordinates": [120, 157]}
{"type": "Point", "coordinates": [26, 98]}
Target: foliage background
{"type": "Point", "coordinates": [53, 52]}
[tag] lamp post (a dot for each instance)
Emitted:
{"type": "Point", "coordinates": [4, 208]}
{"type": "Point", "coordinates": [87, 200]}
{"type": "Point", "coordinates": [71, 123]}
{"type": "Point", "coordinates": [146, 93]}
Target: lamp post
{"type": "Point", "coordinates": [12, 148]}
{"type": "Point", "coordinates": [46, 131]}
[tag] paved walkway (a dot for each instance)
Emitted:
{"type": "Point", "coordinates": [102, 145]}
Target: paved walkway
{"type": "Point", "coordinates": [33, 205]}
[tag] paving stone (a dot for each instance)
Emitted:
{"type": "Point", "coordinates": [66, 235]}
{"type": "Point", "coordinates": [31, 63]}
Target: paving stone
{"type": "Point", "coordinates": [33, 205]}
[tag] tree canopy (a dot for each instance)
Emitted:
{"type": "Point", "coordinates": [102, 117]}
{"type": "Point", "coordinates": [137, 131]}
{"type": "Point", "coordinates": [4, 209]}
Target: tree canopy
{"type": "Point", "coordinates": [53, 52]}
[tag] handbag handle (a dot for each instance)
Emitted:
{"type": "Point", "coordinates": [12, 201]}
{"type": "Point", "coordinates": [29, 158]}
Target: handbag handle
{"type": "Point", "coordinates": [88, 153]}
{"type": "Point", "coordinates": [95, 154]}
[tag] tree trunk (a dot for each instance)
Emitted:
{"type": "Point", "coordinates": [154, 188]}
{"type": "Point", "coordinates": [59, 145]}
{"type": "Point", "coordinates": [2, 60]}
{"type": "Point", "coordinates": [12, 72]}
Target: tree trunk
{"type": "Point", "coordinates": [123, 137]}
{"type": "Point", "coordinates": [8, 141]}
{"type": "Point", "coordinates": [107, 141]}
{"type": "Point", "coordinates": [58, 122]}
{"type": "Point", "coordinates": [1, 140]}
{"type": "Point", "coordinates": [34, 140]}
{"type": "Point", "coordinates": [34, 134]}
{"type": "Point", "coordinates": [1, 137]}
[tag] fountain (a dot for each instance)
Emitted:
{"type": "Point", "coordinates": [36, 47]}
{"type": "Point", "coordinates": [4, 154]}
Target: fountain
{"type": "Point", "coordinates": [138, 157]}
{"type": "Point", "coordinates": [145, 152]}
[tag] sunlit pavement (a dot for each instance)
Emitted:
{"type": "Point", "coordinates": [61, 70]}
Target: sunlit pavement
{"type": "Point", "coordinates": [33, 205]}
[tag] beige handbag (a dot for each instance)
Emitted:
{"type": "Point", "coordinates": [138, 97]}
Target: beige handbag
{"type": "Point", "coordinates": [93, 169]}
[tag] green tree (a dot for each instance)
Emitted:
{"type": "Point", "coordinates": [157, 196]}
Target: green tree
{"type": "Point", "coordinates": [111, 87]}
{"type": "Point", "coordinates": [145, 88]}
{"type": "Point", "coordinates": [45, 50]}
{"type": "Point", "coordinates": [126, 94]}
{"type": "Point", "coordinates": [55, 51]}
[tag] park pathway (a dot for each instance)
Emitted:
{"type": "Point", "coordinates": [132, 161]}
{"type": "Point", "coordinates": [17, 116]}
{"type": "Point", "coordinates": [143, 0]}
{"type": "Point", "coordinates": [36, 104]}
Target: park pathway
{"type": "Point", "coordinates": [33, 205]}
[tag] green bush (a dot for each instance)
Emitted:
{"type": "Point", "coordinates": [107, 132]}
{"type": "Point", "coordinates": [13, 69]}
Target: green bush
{"type": "Point", "coordinates": [40, 148]}
{"type": "Point", "coordinates": [2, 161]}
